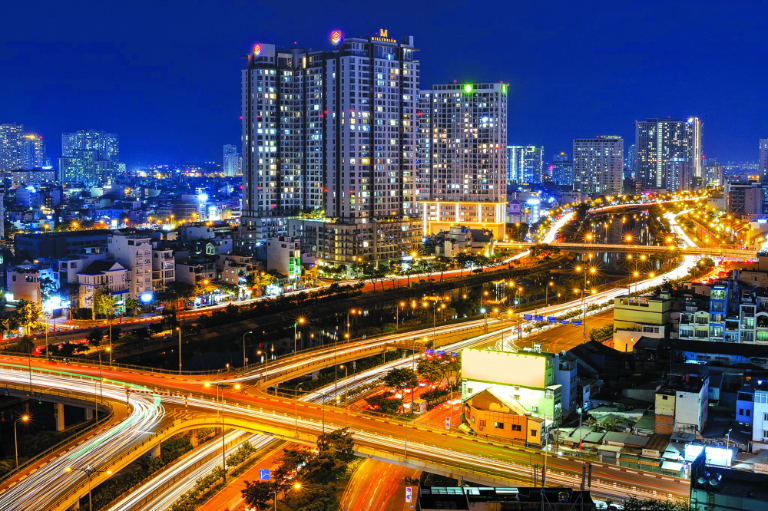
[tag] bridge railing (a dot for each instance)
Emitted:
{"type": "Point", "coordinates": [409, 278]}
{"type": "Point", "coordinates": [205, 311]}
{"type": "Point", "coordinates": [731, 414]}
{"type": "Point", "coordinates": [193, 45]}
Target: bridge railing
{"type": "Point", "coordinates": [114, 461]}
{"type": "Point", "coordinates": [79, 434]}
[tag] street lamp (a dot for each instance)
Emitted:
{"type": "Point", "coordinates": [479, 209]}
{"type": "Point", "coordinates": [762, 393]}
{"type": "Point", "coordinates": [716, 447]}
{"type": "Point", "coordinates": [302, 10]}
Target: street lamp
{"type": "Point", "coordinates": [245, 360]}
{"type": "Point", "coordinates": [24, 419]}
{"type": "Point", "coordinates": [546, 293]}
{"type": "Point", "coordinates": [346, 382]}
{"type": "Point", "coordinates": [295, 326]}
{"type": "Point", "coordinates": [88, 471]}
{"type": "Point", "coordinates": [397, 315]}
{"type": "Point", "coordinates": [178, 329]}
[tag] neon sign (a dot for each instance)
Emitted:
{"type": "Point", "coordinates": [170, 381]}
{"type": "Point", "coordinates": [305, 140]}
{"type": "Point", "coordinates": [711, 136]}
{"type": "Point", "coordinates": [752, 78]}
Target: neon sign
{"type": "Point", "coordinates": [336, 37]}
{"type": "Point", "coordinates": [256, 50]}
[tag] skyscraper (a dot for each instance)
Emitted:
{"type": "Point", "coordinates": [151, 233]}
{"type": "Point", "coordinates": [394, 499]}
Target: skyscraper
{"type": "Point", "coordinates": [232, 162]}
{"type": "Point", "coordinates": [463, 134]}
{"type": "Point", "coordinates": [33, 151]}
{"type": "Point", "coordinates": [11, 146]}
{"type": "Point", "coordinates": [334, 132]}
{"type": "Point", "coordinates": [763, 160]}
{"type": "Point", "coordinates": [526, 164]}
{"type": "Point", "coordinates": [630, 163]}
{"type": "Point", "coordinates": [89, 157]}
{"type": "Point", "coordinates": [562, 170]}
{"type": "Point", "coordinates": [598, 165]}
{"type": "Point", "coordinates": [661, 141]}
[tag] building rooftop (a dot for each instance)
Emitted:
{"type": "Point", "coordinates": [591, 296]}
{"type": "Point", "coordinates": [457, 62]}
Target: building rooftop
{"type": "Point", "coordinates": [99, 267]}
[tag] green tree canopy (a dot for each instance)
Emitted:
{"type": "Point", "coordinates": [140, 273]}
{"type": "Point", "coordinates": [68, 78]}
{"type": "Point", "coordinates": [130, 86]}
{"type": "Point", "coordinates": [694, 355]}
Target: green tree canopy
{"type": "Point", "coordinates": [401, 377]}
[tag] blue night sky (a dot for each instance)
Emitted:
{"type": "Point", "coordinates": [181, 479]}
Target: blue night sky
{"type": "Point", "coordinates": [165, 74]}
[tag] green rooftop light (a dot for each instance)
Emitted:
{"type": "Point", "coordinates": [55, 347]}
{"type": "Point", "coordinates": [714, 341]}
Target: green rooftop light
{"type": "Point", "coordinates": [504, 89]}
{"type": "Point", "coordinates": [467, 88]}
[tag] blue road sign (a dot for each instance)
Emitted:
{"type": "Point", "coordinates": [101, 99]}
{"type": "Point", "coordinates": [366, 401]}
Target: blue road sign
{"type": "Point", "coordinates": [264, 474]}
{"type": "Point", "coordinates": [552, 319]}
{"type": "Point", "coordinates": [538, 318]}
{"type": "Point", "coordinates": [527, 317]}
{"type": "Point", "coordinates": [576, 322]}
{"type": "Point", "coordinates": [564, 321]}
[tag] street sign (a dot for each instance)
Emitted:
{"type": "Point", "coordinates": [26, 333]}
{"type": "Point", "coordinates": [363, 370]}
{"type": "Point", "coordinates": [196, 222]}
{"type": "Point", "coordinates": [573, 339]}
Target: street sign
{"type": "Point", "coordinates": [440, 353]}
{"type": "Point", "coordinates": [447, 423]}
{"type": "Point", "coordinates": [527, 317]}
{"type": "Point", "coordinates": [408, 494]}
{"type": "Point", "coordinates": [552, 319]}
{"type": "Point", "coordinates": [454, 354]}
{"type": "Point", "coordinates": [564, 321]}
{"type": "Point", "coordinates": [538, 318]}
{"type": "Point", "coordinates": [576, 322]}
{"type": "Point", "coordinates": [429, 353]}
{"type": "Point", "coordinates": [263, 474]}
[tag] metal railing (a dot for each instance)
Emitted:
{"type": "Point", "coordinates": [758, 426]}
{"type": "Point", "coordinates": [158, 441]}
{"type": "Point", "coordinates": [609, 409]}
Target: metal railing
{"type": "Point", "coordinates": [64, 442]}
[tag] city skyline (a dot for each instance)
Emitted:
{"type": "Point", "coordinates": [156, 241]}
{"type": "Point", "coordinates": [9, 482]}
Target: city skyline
{"type": "Point", "coordinates": [105, 78]}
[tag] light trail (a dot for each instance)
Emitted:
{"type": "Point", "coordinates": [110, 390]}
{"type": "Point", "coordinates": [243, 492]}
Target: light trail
{"type": "Point", "coordinates": [47, 484]}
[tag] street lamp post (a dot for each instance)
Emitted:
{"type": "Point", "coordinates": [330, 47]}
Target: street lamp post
{"type": "Point", "coordinates": [178, 329]}
{"type": "Point", "coordinates": [245, 360]}
{"type": "Point", "coordinates": [88, 471]}
{"type": "Point", "coordinates": [546, 293]}
{"type": "Point", "coordinates": [24, 419]}
{"type": "Point", "coordinates": [397, 315]}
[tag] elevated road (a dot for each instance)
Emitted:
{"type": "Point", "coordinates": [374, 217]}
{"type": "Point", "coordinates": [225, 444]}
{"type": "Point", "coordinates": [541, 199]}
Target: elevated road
{"type": "Point", "coordinates": [647, 249]}
{"type": "Point", "coordinates": [163, 404]}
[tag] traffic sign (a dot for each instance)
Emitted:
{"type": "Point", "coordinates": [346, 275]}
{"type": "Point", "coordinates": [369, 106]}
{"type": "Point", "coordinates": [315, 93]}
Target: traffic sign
{"type": "Point", "coordinates": [264, 474]}
{"type": "Point", "coordinates": [527, 317]}
{"type": "Point", "coordinates": [538, 317]}
{"type": "Point", "coordinates": [440, 353]}
{"type": "Point", "coordinates": [447, 423]}
{"type": "Point", "coordinates": [408, 493]}
{"type": "Point", "coordinates": [429, 352]}
{"type": "Point", "coordinates": [454, 354]}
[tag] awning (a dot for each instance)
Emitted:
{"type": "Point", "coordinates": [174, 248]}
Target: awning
{"type": "Point", "coordinates": [672, 466]}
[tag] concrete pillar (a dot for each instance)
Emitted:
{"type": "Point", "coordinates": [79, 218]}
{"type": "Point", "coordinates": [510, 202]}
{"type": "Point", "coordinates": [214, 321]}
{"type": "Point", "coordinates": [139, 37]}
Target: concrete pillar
{"type": "Point", "coordinates": [88, 414]}
{"type": "Point", "coordinates": [58, 413]}
{"type": "Point", "coordinates": [155, 452]}
{"type": "Point", "coordinates": [194, 438]}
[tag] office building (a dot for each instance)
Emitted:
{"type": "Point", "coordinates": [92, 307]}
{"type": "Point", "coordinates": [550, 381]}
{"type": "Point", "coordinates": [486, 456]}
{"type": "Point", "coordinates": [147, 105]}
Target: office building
{"type": "Point", "coordinates": [562, 170]}
{"type": "Point", "coordinates": [526, 164]}
{"type": "Point", "coordinates": [712, 173]}
{"type": "Point", "coordinates": [463, 182]}
{"type": "Point", "coordinates": [762, 161]}
{"type": "Point", "coordinates": [232, 161]}
{"type": "Point", "coordinates": [33, 151]}
{"type": "Point", "coordinates": [341, 126]}
{"type": "Point", "coordinates": [11, 146]}
{"type": "Point", "coordinates": [598, 165]}
{"type": "Point", "coordinates": [89, 157]}
{"type": "Point", "coordinates": [681, 404]}
{"type": "Point", "coordinates": [661, 141]}
{"type": "Point", "coordinates": [678, 175]}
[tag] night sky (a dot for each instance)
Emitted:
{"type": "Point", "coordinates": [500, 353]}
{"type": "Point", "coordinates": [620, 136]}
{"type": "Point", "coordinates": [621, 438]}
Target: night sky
{"type": "Point", "coordinates": [165, 74]}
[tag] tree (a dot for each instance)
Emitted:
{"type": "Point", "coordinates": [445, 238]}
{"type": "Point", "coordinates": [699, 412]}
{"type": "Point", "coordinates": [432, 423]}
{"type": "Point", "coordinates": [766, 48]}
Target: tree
{"type": "Point", "coordinates": [462, 259]}
{"type": "Point", "coordinates": [401, 377]}
{"type": "Point", "coordinates": [384, 404]}
{"type": "Point", "coordinates": [103, 302]}
{"type": "Point", "coordinates": [27, 315]}
{"type": "Point", "coordinates": [634, 504]}
{"type": "Point", "coordinates": [335, 451]}
{"type": "Point", "coordinates": [432, 370]}
{"type": "Point", "coordinates": [94, 337]}
{"type": "Point", "coordinates": [131, 305]}
{"type": "Point", "coordinates": [440, 266]}
{"type": "Point", "coordinates": [24, 345]}
{"type": "Point", "coordinates": [72, 292]}
{"type": "Point", "coordinates": [47, 288]}
{"type": "Point", "coordinates": [257, 494]}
